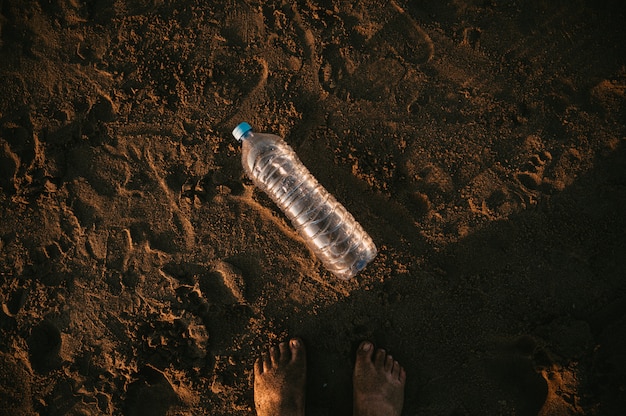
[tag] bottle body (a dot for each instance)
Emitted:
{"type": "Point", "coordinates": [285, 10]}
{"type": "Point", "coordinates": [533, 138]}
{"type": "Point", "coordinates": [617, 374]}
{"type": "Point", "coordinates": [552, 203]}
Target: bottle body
{"type": "Point", "coordinates": [329, 230]}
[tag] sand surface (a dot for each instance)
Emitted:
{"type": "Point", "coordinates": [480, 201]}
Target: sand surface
{"type": "Point", "coordinates": [482, 144]}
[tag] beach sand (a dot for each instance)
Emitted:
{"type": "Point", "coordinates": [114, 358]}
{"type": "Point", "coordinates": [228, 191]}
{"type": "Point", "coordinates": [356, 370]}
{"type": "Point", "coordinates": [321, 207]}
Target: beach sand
{"type": "Point", "coordinates": [481, 144]}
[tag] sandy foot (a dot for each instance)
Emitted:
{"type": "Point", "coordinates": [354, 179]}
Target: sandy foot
{"type": "Point", "coordinates": [378, 383]}
{"type": "Point", "coordinates": [279, 380]}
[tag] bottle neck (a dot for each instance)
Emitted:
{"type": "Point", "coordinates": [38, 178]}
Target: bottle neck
{"type": "Point", "coordinates": [246, 136]}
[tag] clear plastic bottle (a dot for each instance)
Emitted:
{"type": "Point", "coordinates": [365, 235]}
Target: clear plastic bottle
{"type": "Point", "coordinates": [328, 228]}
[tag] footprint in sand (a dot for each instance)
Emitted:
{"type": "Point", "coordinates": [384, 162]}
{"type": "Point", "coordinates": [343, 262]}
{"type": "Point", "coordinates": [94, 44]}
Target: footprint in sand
{"type": "Point", "coordinates": [531, 174]}
{"type": "Point", "coordinates": [243, 25]}
{"type": "Point", "coordinates": [406, 38]}
{"type": "Point", "coordinates": [395, 45]}
{"type": "Point", "coordinates": [19, 153]}
{"type": "Point", "coordinates": [119, 246]}
{"type": "Point", "coordinates": [543, 174]}
{"type": "Point", "coordinates": [44, 345]}
{"type": "Point", "coordinates": [16, 300]}
{"type": "Point", "coordinates": [207, 287]}
{"type": "Point", "coordinates": [151, 394]}
{"type": "Point", "coordinates": [215, 294]}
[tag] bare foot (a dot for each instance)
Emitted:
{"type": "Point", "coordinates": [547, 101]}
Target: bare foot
{"type": "Point", "coordinates": [378, 383]}
{"type": "Point", "coordinates": [279, 378]}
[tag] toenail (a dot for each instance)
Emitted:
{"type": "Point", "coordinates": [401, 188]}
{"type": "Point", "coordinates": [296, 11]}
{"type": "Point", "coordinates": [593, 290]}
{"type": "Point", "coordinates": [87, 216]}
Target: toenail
{"type": "Point", "coordinates": [367, 346]}
{"type": "Point", "coordinates": [295, 343]}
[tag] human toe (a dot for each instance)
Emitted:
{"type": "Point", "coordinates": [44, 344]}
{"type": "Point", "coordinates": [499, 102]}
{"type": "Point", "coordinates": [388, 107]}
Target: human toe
{"type": "Point", "coordinates": [380, 358]}
{"type": "Point", "coordinates": [402, 376]}
{"type": "Point", "coordinates": [284, 352]}
{"type": "Point", "coordinates": [267, 361]}
{"type": "Point", "coordinates": [395, 370]}
{"type": "Point", "coordinates": [388, 363]}
{"type": "Point", "coordinates": [364, 353]}
{"type": "Point", "coordinates": [258, 367]}
{"type": "Point", "coordinates": [297, 350]}
{"type": "Point", "coordinates": [274, 355]}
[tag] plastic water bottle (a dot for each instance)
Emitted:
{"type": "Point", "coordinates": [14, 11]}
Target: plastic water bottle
{"type": "Point", "coordinates": [327, 227]}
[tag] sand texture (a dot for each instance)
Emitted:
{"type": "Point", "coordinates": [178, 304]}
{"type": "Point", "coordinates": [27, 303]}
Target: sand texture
{"type": "Point", "coordinates": [482, 145]}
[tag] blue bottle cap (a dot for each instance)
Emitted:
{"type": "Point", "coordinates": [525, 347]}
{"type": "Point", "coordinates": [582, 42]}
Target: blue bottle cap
{"type": "Point", "coordinates": [241, 130]}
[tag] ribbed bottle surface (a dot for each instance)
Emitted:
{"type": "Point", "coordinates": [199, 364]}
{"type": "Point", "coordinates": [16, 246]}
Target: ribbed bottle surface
{"type": "Point", "coordinates": [328, 228]}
